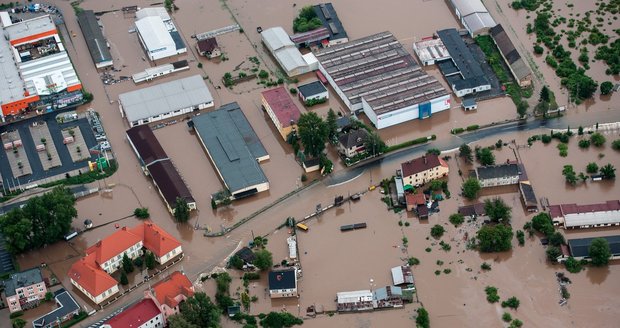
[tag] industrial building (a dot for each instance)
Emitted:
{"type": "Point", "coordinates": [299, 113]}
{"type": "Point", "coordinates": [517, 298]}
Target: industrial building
{"type": "Point", "coordinates": [327, 14]}
{"type": "Point", "coordinates": [234, 149]}
{"type": "Point", "coordinates": [580, 248]}
{"type": "Point", "coordinates": [310, 38]}
{"type": "Point", "coordinates": [282, 110]}
{"type": "Point", "coordinates": [284, 51]}
{"type": "Point", "coordinates": [462, 71]}
{"type": "Point", "coordinates": [95, 41]}
{"type": "Point", "coordinates": [165, 100]}
{"type": "Point", "coordinates": [430, 51]}
{"type": "Point", "coordinates": [572, 216]}
{"type": "Point", "coordinates": [312, 91]}
{"type": "Point", "coordinates": [156, 163]}
{"type": "Point", "coordinates": [283, 283]}
{"type": "Point", "coordinates": [36, 71]}
{"type": "Point", "coordinates": [378, 76]}
{"type": "Point", "coordinates": [473, 15]}
{"type": "Point", "coordinates": [519, 69]}
{"type": "Point", "coordinates": [158, 34]}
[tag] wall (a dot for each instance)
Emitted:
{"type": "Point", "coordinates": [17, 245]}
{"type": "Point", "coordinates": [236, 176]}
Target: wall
{"type": "Point", "coordinates": [167, 257]}
{"type": "Point", "coordinates": [114, 263]}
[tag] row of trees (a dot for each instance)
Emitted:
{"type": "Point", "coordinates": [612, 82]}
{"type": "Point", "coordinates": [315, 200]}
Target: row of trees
{"type": "Point", "coordinates": [43, 220]}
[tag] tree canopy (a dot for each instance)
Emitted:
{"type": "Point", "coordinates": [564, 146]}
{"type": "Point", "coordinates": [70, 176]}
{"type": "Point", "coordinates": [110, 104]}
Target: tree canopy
{"type": "Point", "coordinates": [42, 221]}
{"type": "Point", "coordinates": [280, 320]}
{"type": "Point", "coordinates": [606, 87]}
{"type": "Point", "coordinates": [485, 156]}
{"type": "Point", "coordinates": [264, 259]}
{"type": "Point", "coordinates": [198, 310]}
{"type": "Point", "coordinates": [313, 132]}
{"type": "Point", "coordinates": [494, 238]}
{"type": "Point", "coordinates": [542, 223]}
{"type": "Point", "coordinates": [497, 210]}
{"type": "Point", "coordinates": [306, 20]}
{"type": "Point", "coordinates": [332, 126]}
{"type": "Point", "coordinates": [608, 171]}
{"type": "Point", "coordinates": [181, 210]}
{"type": "Point", "coordinates": [465, 152]}
{"type": "Point", "coordinates": [599, 252]}
{"type": "Point", "coordinates": [422, 320]}
{"type": "Point", "coordinates": [471, 188]}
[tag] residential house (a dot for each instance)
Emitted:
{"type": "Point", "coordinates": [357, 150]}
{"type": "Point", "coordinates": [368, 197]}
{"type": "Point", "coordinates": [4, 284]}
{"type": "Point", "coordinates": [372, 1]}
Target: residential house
{"type": "Point", "coordinates": [88, 277]}
{"type": "Point", "coordinates": [24, 290]}
{"type": "Point", "coordinates": [352, 143]}
{"type": "Point", "coordinates": [472, 211]}
{"type": "Point", "coordinates": [283, 283]}
{"type": "Point", "coordinates": [67, 308]}
{"type": "Point", "coordinates": [169, 293]}
{"type": "Point", "coordinates": [421, 170]}
{"type": "Point", "coordinates": [209, 48]}
{"type": "Point", "coordinates": [144, 314]}
{"type": "Point", "coordinates": [414, 201]}
{"type": "Point", "coordinates": [110, 250]}
{"type": "Point", "coordinates": [282, 110]}
{"type": "Point", "coordinates": [498, 175]}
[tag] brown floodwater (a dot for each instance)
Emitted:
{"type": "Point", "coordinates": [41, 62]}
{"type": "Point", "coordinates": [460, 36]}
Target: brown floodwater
{"type": "Point", "coordinates": [333, 261]}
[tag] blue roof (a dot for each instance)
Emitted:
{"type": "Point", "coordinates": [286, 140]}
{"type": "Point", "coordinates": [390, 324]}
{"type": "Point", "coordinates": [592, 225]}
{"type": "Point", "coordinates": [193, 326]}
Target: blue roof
{"type": "Point", "coordinates": [178, 41]}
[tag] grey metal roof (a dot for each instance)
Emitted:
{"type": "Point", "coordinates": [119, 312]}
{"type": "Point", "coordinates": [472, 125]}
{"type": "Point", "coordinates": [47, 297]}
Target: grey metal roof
{"type": "Point", "coordinates": [470, 68]}
{"type": "Point", "coordinates": [497, 171]}
{"type": "Point", "coordinates": [529, 196]}
{"type": "Point", "coordinates": [13, 85]}
{"type": "Point", "coordinates": [466, 7]}
{"type": "Point", "coordinates": [97, 45]}
{"type": "Point", "coordinates": [468, 102]}
{"type": "Point", "coordinates": [387, 292]}
{"type": "Point", "coordinates": [290, 58]}
{"type": "Point", "coordinates": [233, 146]}
{"type": "Point", "coordinates": [276, 38]}
{"type": "Point", "coordinates": [66, 305]}
{"type": "Point", "coordinates": [22, 279]}
{"type": "Point", "coordinates": [478, 22]}
{"type": "Point", "coordinates": [165, 97]}
{"type": "Point", "coordinates": [327, 14]}
{"type": "Point", "coordinates": [311, 89]}
{"type": "Point", "coordinates": [581, 247]}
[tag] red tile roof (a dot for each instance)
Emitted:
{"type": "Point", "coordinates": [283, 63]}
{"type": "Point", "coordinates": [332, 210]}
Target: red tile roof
{"type": "Point", "coordinates": [155, 238]}
{"type": "Point", "coordinates": [422, 164]}
{"type": "Point", "coordinates": [207, 45]}
{"type": "Point", "coordinates": [136, 315]}
{"type": "Point", "coordinates": [415, 199]}
{"type": "Point", "coordinates": [282, 105]}
{"type": "Point", "coordinates": [90, 276]}
{"type": "Point", "coordinates": [563, 209]}
{"type": "Point", "coordinates": [113, 245]}
{"type": "Point", "coordinates": [167, 290]}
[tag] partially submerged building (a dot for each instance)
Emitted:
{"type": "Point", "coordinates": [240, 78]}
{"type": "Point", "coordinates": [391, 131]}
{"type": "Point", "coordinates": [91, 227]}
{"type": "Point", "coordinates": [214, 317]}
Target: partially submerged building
{"type": "Point", "coordinates": [234, 149]}
{"type": "Point", "coordinates": [378, 76]}
{"type": "Point", "coordinates": [165, 100]}
{"type": "Point", "coordinates": [580, 248]}
{"type": "Point", "coordinates": [24, 290]}
{"type": "Point", "coordinates": [208, 48]}
{"type": "Point", "coordinates": [95, 41]}
{"type": "Point", "coordinates": [169, 293]}
{"type": "Point", "coordinates": [156, 163]}
{"type": "Point", "coordinates": [283, 283]}
{"type": "Point", "coordinates": [312, 91]}
{"type": "Point", "coordinates": [473, 15]}
{"type": "Point", "coordinates": [352, 143]}
{"type": "Point", "coordinates": [498, 175]}
{"type": "Point", "coordinates": [519, 69]}
{"type": "Point", "coordinates": [67, 308]}
{"type": "Point", "coordinates": [462, 71]}
{"type": "Point", "coordinates": [35, 68]}
{"type": "Point", "coordinates": [327, 14]}
{"type": "Point", "coordinates": [421, 170]}
{"type": "Point", "coordinates": [572, 216]}
{"type": "Point", "coordinates": [430, 51]}
{"type": "Point", "coordinates": [282, 110]}
{"type": "Point", "coordinates": [310, 38]}
{"type": "Point", "coordinates": [402, 275]}
{"type": "Point", "coordinates": [158, 34]}
{"type": "Point", "coordinates": [472, 211]}
{"type": "Point", "coordinates": [528, 196]}
{"type": "Point", "coordinates": [151, 73]}
{"type": "Point", "coordinates": [354, 301]}
{"type": "Point", "coordinates": [284, 51]}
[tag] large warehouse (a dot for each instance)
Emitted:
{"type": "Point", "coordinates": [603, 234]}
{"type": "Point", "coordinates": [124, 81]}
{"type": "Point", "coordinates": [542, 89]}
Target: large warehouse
{"type": "Point", "coordinates": [572, 216]}
{"type": "Point", "coordinates": [284, 51]}
{"type": "Point", "coordinates": [473, 15]}
{"type": "Point", "coordinates": [378, 76]}
{"type": "Point", "coordinates": [165, 100]}
{"type": "Point", "coordinates": [97, 44]}
{"type": "Point", "coordinates": [234, 149]}
{"type": "Point", "coordinates": [158, 34]}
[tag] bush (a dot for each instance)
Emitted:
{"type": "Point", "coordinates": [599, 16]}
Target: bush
{"type": "Point", "coordinates": [422, 320]}
{"type": "Point", "coordinates": [456, 219]}
{"type": "Point", "coordinates": [592, 168]}
{"type": "Point", "coordinates": [521, 237]}
{"type": "Point", "coordinates": [597, 139]}
{"type": "Point", "coordinates": [506, 317]}
{"type": "Point", "coordinates": [413, 261]}
{"type": "Point", "coordinates": [572, 265]}
{"type": "Point", "coordinates": [538, 49]}
{"type": "Point", "coordinates": [141, 213]}
{"type": "Point", "coordinates": [16, 314]}
{"type": "Point", "coordinates": [512, 303]}
{"type": "Point", "coordinates": [138, 262]}
{"type": "Point", "coordinates": [492, 296]}
{"type": "Point", "coordinates": [542, 223]}
{"type": "Point", "coordinates": [584, 143]}
{"type": "Point", "coordinates": [437, 231]}
{"type": "Point", "coordinates": [485, 266]}
{"type": "Point", "coordinates": [546, 138]}
{"type": "Point", "coordinates": [293, 91]}
{"type": "Point", "coordinates": [251, 276]}
{"type": "Point", "coordinates": [473, 127]}
{"type": "Point", "coordinates": [516, 323]}
{"type": "Point", "coordinates": [616, 144]}
{"type": "Point", "coordinates": [553, 253]}
{"type": "Point", "coordinates": [263, 74]}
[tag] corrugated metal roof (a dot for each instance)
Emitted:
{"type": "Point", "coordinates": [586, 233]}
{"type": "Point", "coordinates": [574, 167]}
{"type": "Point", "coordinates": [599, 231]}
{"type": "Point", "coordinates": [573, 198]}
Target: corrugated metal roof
{"type": "Point", "coordinates": [154, 33]}
{"type": "Point", "coordinates": [153, 11]}
{"type": "Point", "coordinates": [466, 7]}
{"type": "Point", "coordinates": [276, 38]}
{"type": "Point", "coordinates": [478, 22]}
{"type": "Point", "coordinates": [97, 45]}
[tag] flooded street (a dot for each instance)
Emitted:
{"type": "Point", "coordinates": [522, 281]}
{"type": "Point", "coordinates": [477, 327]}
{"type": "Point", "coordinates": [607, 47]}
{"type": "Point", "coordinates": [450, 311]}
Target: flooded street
{"type": "Point", "coordinates": [333, 261]}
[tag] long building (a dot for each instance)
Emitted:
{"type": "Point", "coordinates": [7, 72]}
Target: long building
{"type": "Point", "coordinates": [580, 248]}
{"type": "Point", "coordinates": [572, 216]}
{"type": "Point", "coordinates": [158, 34]}
{"type": "Point", "coordinates": [95, 41]}
{"type": "Point", "coordinates": [498, 175]}
{"type": "Point", "coordinates": [35, 69]}
{"type": "Point", "coordinates": [144, 314]}
{"type": "Point", "coordinates": [327, 14]}
{"type": "Point", "coordinates": [66, 310]}
{"type": "Point", "coordinates": [165, 100]}
{"type": "Point", "coordinates": [234, 149]}
{"type": "Point", "coordinates": [284, 51]}
{"type": "Point", "coordinates": [155, 162]}
{"type": "Point", "coordinates": [473, 15]}
{"type": "Point", "coordinates": [519, 69]}
{"type": "Point", "coordinates": [378, 76]}
{"type": "Point", "coordinates": [282, 110]}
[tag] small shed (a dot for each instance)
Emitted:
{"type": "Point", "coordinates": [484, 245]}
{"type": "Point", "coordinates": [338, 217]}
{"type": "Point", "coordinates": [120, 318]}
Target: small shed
{"type": "Point", "coordinates": [311, 165]}
{"type": "Point", "coordinates": [402, 275]}
{"type": "Point", "coordinates": [422, 211]}
{"type": "Point", "coordinates": [313, 91]}
{"type": "Point", "coordinates": [469, 104]}
{"type": "Point", "coordinates": [209, 48]}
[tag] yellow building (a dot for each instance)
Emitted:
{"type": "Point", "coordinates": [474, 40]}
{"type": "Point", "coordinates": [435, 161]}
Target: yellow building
{"type": "Point", "coordinates": [423, 169]}
{"type": "Point", "coordinates": [281, 109]}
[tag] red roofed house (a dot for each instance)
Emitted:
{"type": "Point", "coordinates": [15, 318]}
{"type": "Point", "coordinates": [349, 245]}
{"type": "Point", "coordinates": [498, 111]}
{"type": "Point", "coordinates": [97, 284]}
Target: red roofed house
{"type": "Point", "coordinates": [91, 274]}
{"type": "Point", "coordinates": [209, 48]}
{"type": "Point", "coordinates": [282, 110]}
{"type": "Point", "coordinates": [415, 200]}
{"type": "Point", "coordinates": [168, 294]}
{"type": "Point", "coordinates": [423, 169]}
{"type": "Point", "coordinates": [144, 314]}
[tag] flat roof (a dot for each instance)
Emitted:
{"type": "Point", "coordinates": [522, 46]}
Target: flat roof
{"type": "Point", "coordinates": [30, 27]}
{"type": "Point", "coordinates": [154, 33]}
{"type": "Point", "coordinates": [378, 69]}
{"type": "Point", "coordinates": [282, 106]}
{"type": "Point", "coordinates": [470, 68]}
{"type": "Point", "coordinates": [66, 305]}
{"type": "Point", "coordinates": [165, 97]}
{"type": "Point", "coordinates": [497, 171]}
{"type": "Point", "coordinates": [57, 67]}
{"type": "Point", "coordinates": [328, 16]}
{"type": "Point", "coordinates": [283, 279]}
{"type": "Point", "coordinates": [232, 145]}
{"type": "Point", "coordinates": [581, 247]}
{"type": "Point", "coordinates": [13, 86]}
{"type": "Point", "coordinates": [311, 89]}
{"type": "Point", "coordinates": [431, 49]}
{"type": "Point", "coordinates": [354, 296]}
{"type": "Point", "coordinates": [96, 42]}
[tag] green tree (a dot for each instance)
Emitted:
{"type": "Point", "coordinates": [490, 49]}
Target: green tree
{"type": "Point", "coordinates": [599, 252]}
{"type": "Point", "coordinates": [181, 210]}
{"type": "Point", "coordinates": [597, 139]}
{"type": "Point", "coordinates": [491, 292]}
{"type": "Point", "coordinates": [557, 239]}
{"type": "Point", "coordinates": [616, 144]}
{"type": "Point", "coordinates": [608, 172]}
{"type": "Point", "coordinates": [456, 219]}
{"type": "Point", "coordinates": [280, 320]}
{"type": "Point", "coordinates": [521, 237]}
{"type": "Point", "coordinates": [606, 87]}
{"type": "Point", "coordinates": [332, 125]}
{"type": "Point", "coordinates": [178, 321]}
{"type": "Point", "coordinates": [497, 210]}
{"type": "Point", "coordinates": [313, 132]}
{"type": "Point", "coordinates": [373, 144]}
{"type": "Point", "coordinates": [553, 253]}
{"type": "Point", "coordinates": [138, 262]}
{"type": "Point", "coordinates": [198, 310]}
{"type": "Point", "coordinates": [124, 280]}
{"type": "Point", "coordinates": [437, 231]}
{"type": "Point", "coordinates": [592, 168]}
{"type": "Point", "coordinates": [545, 95]}
{"type": "Point", "coordinates": [149, 260]}
{"type": "Point", "coordinates": [264, 259]}
{"type": "Point", "coordinates": [168, 4]}
{"type": "Point", "coordinates": [569, 174]}
{"type": "Point", "coordinates": [236, 262]}
{"type": "Point", "coordinates": [506, 317]}
{"type": "Point", "coordinates": [17, 231]}
{"type": "Point", "coordinates": [127, 264]}
{"type": "Point", "coordinates": [465, 152]}
{"type": "Point", "coordinates": [422, 320]}
{"type": "Point", "coordinates": [486, 157]}
{"type": "Point", "coordinates": [572, 265]}
{"type": "Point", "coordinates": [141, 213]}
{"type": "Point", "coordinates": [433, 151]}
{"type": "Point", "coordinates": [222, 282]}
{"type": "Point", "coordinates": [542, 223]}
{"type": "Point", "coordinates": [19, 323]}
{"type": "Point", "coordinates": [522, 107]}
{"type": "Point", "coordinates": [494, 238]}
{"type": "Point", "coordinates": [260, 242]}
{"type": "Point", "coordinates": [263, 74]}
{"type": "Point", "coordinates": [436, 185]}
{"type": "Point", "coordinates": [512, 303]}
{"type": "Point", "coordinates": [471, 188]}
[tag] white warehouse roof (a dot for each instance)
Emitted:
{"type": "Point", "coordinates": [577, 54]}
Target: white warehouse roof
{"type": "Point", "coordinates": [290, 59]}
{"type": "Point", "coordinates": [276, 38]}
{"type": "Point", "coordinates": [591, 219]}
{"type": "Point", "coordinates": [154, 33]}
{"type": "Point", "coordinates": [354, 296]}
{"type": "Point", "coordinates": [165, 97]}
{"type": "Point", "coordinates": [153, 11]}
{"type": "Point", "coordinates": [467, 7]}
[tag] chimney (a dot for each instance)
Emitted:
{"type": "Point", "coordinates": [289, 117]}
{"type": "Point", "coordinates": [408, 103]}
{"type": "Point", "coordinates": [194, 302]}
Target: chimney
{"type": "Point", "coordinates": [424, 157]}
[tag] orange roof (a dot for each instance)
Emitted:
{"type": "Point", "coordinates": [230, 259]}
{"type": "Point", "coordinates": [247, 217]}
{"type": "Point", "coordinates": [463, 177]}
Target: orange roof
{"type": "Point", "coordinates": [90, 276]}
{"type": "Point", "coordinates": [415, 199]}
{"type": "Point", "coordinates": [113, 245]}
{"type": "Point", "coordinates": [155, 238]}
{"type": "Point", "coordinates": [167, 290]}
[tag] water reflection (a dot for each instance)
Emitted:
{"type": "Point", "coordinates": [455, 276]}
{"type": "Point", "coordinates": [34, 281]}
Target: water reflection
{"type": "Point", "coordinates": [597, 275]}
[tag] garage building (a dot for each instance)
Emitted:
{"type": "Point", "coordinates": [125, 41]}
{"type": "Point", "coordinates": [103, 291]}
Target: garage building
{"type": "Point", "coordinates": [378, 76]}
{"type": "Point", "coordinates": [158, 34]}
